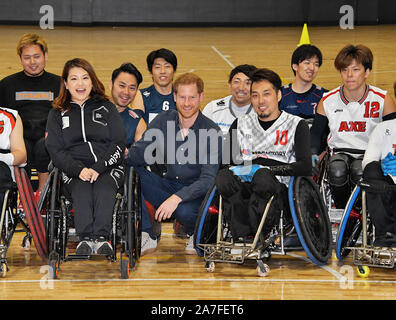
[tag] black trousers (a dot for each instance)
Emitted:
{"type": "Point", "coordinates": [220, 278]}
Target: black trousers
{"type": "Point", "coordinates": [37, 155]}
{"type": "Point", "coordinates": [381, 206]}
{"type": "Point", "coordinates": [93, 203]}
{"type": "Point", "coordinates": [5, 181]}
{"type": "Point", "coordinates": [245, 202]}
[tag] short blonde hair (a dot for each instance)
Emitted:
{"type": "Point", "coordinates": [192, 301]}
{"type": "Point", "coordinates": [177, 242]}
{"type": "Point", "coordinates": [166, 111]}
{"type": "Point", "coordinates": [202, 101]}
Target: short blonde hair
{"type": "Point", "coordinates": [189, 78]}
{"type": "Point", "coordinates": [29, 39]}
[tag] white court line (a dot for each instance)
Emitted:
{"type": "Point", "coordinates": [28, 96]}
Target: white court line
{"type": "Point", "coordinates": [335, 273]}
{"type": "Point", "coordinates": [257, 279]}
{"type": "Point", "coordinates": [223, 57]}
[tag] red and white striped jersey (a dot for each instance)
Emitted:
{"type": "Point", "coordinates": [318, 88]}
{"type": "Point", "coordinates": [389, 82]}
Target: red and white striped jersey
{"type": "Point", "coordinates": [351, 123]}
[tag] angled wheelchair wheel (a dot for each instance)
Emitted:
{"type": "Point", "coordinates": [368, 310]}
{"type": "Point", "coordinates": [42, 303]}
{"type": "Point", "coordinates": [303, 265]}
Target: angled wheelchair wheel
{"type": "Point", "coordinates": [350, 227]}
{"type": "Point", "coordinates": [53, 210]}
{"type": "Point", "coordinates": [207, 221]}
{"type": "Point", "coordinates": [134, 203]}
{"type": "Point", "coordinates": [32, 215]}
{"type": "Point", "coordinates": [310, 219]}
{"type": "Point", "coordinates": [33, 205]}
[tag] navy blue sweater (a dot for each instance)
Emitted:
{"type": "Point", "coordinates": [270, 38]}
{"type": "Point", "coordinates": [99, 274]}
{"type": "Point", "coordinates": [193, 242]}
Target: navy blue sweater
{"type": "Point", "coordinates": [193, 161]}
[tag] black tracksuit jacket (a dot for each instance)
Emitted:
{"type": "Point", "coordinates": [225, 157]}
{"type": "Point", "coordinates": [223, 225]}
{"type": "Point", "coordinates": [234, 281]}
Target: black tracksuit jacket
{"type": "Point", "coordinates": [91, 135]}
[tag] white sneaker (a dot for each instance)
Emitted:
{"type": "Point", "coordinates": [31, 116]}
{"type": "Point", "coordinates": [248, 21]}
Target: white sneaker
{"type": "Point", "coordinates": [85, 247]}
{"type": "Point", "coordinates": [148, 245]}
{"type": "Point", "coordinates": [190, 249]}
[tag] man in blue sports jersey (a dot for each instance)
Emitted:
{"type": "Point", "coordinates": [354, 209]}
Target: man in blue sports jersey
{"type": "Point", "coordinates": [302, 96]}
{"type": "Point", "coordinates": [162, 65]}
{"type": "Point", "coordinates": [124, 84]}
{"type": "Point", "coordinates": [158, 97]}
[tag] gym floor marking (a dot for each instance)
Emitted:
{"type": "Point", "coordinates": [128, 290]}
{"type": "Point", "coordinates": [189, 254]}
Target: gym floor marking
{"type": "Point", "coordinates": [257, 279]}
{"type": "Point", "coordinates": [335, 273]}
{"type": "Point", "coordinates": [223, 57]}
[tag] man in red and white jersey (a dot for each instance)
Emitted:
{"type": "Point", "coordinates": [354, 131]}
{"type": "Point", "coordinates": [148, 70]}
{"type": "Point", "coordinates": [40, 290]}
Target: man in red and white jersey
{"type": "Point", "coordinates": [351, 112]}
{"type": "Point", "coordinates": [12, 147]}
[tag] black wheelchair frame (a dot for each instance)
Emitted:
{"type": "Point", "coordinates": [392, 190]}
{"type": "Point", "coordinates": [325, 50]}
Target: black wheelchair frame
{"type": "Point", "coordinates": [126, 223]}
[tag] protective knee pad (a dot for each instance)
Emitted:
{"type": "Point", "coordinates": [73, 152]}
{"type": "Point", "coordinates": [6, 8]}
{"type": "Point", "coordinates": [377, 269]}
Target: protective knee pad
{"type": "Point", "coordinates": [356, 170]}
{"type": "Point", "coordinates": [337, 170]}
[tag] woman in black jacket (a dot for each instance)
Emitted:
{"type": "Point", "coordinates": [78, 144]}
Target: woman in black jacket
{"type": "Point", "coordinates": [86, 140]}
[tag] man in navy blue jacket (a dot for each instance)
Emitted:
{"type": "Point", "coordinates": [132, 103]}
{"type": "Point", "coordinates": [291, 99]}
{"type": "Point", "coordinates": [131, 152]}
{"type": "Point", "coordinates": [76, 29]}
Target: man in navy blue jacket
{"type": "Point", "coordinates": [189, 144]}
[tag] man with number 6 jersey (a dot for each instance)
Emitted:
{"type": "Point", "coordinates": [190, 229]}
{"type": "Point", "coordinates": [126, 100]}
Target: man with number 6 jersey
{"type": "Point", "coordinates": [162, 65]}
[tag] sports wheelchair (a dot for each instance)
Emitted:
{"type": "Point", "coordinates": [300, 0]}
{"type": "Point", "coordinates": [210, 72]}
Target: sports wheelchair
{"type": "Point", "coordinates": [356, 233]}
{"type": "Point", "coordinates": [213, 239]}
{"type": "Point", "coordinates": [322, 180]}
{"type": "Point", "coordinates": [126, 224]}
{"type": "Point", "coordinates": [12, 216]}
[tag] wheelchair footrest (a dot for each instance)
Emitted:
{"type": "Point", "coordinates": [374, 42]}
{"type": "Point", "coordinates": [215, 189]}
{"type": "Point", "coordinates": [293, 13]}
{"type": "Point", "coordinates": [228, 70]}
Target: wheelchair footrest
{"type": "Point", "coordinates": [77, 257]}
{"type": "Point", "coordinates": [374, 256]}
{"type": "Point", "coordinates": [229, 252]}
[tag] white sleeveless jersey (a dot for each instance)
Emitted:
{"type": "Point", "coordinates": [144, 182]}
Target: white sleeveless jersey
{"type": "Point", "coordinates": [8, 118]}
{"type": "Point", "coordinates": [382, 141]}
{"type": "Point", "coordinates": [220, 112]}
{"type": "Point", "coordinates": [351, 123]}
{"type": "Point", "coordinates": [277, 142]}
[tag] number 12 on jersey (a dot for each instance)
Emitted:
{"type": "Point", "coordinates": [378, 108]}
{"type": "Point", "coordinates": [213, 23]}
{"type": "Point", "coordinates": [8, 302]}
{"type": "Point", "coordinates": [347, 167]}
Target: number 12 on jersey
{"type": "Point", "coordinates": [371, 110]}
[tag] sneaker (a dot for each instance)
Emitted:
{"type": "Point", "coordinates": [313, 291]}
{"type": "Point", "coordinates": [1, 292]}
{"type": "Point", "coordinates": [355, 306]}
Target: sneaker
{"type": "Point", "coordinates": [155, 224]}
{"type": "Point", "coordinates": [292, 241]}
{"type": "Point", "coordinates": [178, 229]}
{"type": "Point", "coordinates": [148, 245]}
{"type": "Point", "coordinates": [85, 247]}
{"type": "Point", "coordinates": [190, 249]}
{"type": "Point", "coordinates": [102, 247]}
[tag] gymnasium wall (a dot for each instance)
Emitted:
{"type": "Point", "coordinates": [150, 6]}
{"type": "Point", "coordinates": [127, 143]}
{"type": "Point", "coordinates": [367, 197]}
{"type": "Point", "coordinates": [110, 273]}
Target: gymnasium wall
{"type": "Point", "coordinates": [197, 12]}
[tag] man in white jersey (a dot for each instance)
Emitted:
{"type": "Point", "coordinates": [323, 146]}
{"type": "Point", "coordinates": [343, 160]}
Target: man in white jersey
{"type": "Point", "coordinates": [268, 138]}
{"type": "Point", "coordinates": [12, 147]}
{"type": "Point", "coordinates": [379, 168]}
{"type": "Point", "coordinates": [225, 110]}
{"type": "Point", "coordinates": [351, 112]}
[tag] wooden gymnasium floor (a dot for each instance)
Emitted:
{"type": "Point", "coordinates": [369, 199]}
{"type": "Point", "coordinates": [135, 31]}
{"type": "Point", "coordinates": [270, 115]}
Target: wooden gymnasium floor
{"type": "Point", "coordinates": [168, 274]}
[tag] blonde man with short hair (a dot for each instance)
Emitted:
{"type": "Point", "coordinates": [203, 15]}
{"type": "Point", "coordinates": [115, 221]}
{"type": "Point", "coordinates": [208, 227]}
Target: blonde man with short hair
{"type": "Point", "coordinates": [31, 92]}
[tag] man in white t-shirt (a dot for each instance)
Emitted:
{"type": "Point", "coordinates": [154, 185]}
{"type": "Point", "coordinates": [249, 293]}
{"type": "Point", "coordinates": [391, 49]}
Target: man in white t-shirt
{"type": "Point", "coordinates": [225, 110]}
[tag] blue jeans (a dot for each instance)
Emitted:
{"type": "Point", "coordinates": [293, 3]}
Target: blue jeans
{"type": "Point", "coordinates": [156, 190]}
